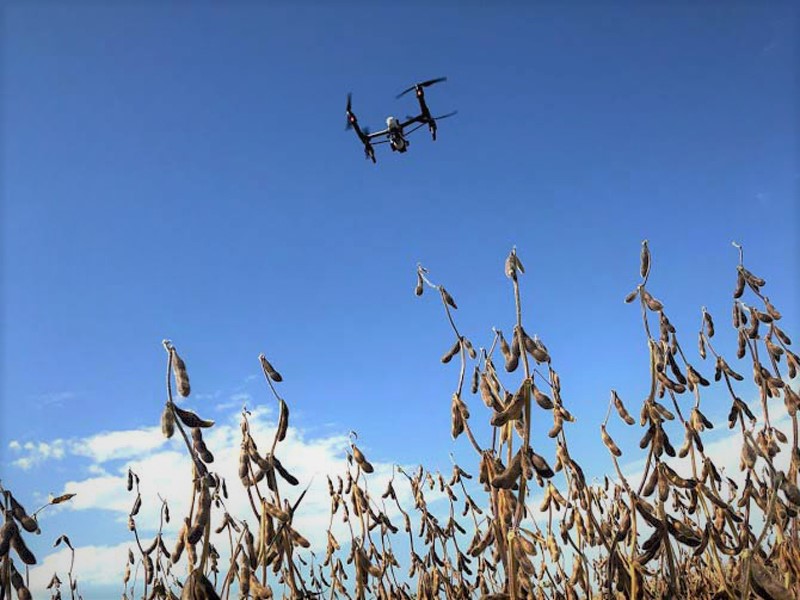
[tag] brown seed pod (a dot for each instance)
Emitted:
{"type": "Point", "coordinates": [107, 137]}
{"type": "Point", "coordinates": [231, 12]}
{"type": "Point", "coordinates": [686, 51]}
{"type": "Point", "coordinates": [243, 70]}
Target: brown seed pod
{"type": "Point", "coordinates": [511, 266]}
{"type": "Point", "coordinates": [632, 296]}
{"type": "Point", "coordinates": [791, 491]}
{"type": "Point", "coordinates": [780, 435]}
{"type": "Point", "coordinates": [7, 531]}
{"type": "Point", "coordinates": [487, 394]}
{"type": "Point", "coordinates": [190, 419]}
{"type": "Point", "coordinates": [540, 464]}
{"type": "Point", "coordinates": [470, 349]}
{"type": "Point", "coordinates": [447, 297]}
{"type": "Point", "coordinates": [269, 370]}
{"type": "Point", "coordinates": [512, 362]}
{"type": "Point", "coordinates": [457, 420]}
{"type": "Point", "coordinates": [542, 399]}
{"type": "Point", "coordinates": [505, 349]}
{"type": "Point", "coordinates": [648, 436]}
{"type": "Point", "coordinates": [663, 485]}
{"type": "Point", "coordinates": [475, 380]}
{"type": "Point", "coordinates": [709, 323]}
{"type": "Point", "coordinates": [181, 375]}
{"type": "Point", "coordinates": [609, 442]}
{"type": "Point", "coordinates": [623, 414]}
{"type": "Point", "coordinates": [292, 480]}
{"type": "Point", "coordinates": [701, 345]}
{"type": "Point", "coordinates": [558, 424]}
{"type": "Point", "coordinates": [739, 290]}
{"type": "Point", "coordinates": [536, 349]}
{"type": "Point", "coordinates": [365, 465]}
{"type": "Point", "coordinates": [513, 410]}
{"type": "Point", "coordinates": [137, 504]}
{"type": "Point", "coordinates": [452, 352]}
{"type": "Point", "coordinates": [168, 422]}
{"type": "Point", "coordinates": [781, 335]}
{"type": "Point", "coordinates": [644, 260]}
{"type": "Point", "coordinates": [774, 350]}
{"type": "Point", "coordinates": [508, 477]}
{"type": "Point", "coordinates": [676, 479]}
{"type": "Point", "coordinates": [28, 523]}
{"type": "Point", "coordinates": [420, 286]}
{"type": "Point", "coordinates": [748, 456]}
{"type": "Point", "coordinates": [19, 546]}
{"type": "Point", "coordinates": [283, 421]}
{"type": "Point", "coordinates": [651, 302]}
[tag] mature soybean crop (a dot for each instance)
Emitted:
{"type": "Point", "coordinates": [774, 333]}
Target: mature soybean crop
{"type": "Point", "coordinates": [682, 528]}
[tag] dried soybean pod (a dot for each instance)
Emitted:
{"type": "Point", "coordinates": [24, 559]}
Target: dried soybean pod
{"type": "Point", "coordinates": [7, 531]}
{"type": "Point", "coordinates": [420, 287]}
{"type": "Point", "coordinates": [505, 349]}
{"type": "Point", "coordinates": [739, 290]}
{"type": "Point", "coordinates": [452, 352]}
{"type": "Point", "coordinates": [540, 464]}
{"type": "Point", "coordinates": [447, 297]}
{"type": "Point", "coordinates": [632, 296]}
{"type": "Point", "coordinates": [506, 479]}
{"type": "Point", "coordinates": [511, 266]}
{"type": "Point", "coordinates": [558, 424]}
{"type": "Point", "coordinates": [623, 414]}
{"type": "Point", "coordinates": [709, 323]}
{"type": "Point", "coordinates": [365, 465]}
{"type": "Point", "coordinates": [269, 370]}
{"type": "Point", "coordinates": [168, 421]}
{"type": "Point", "coordinates": [652, 303]}
{"type": "Point", "coordinates": [28, 523]}
{"type": "Point", "coordinates": [609, 442]}
{"type": "Point", "coordinates": [287, 476]}
{"type": "Point", "coordinates": [470, 349]}
{"type": "Point", "coordinates": [137, 504]}
{"type": "Point", "coordinates": [179, 370]}
{"type": "Point", "coordinates": [742, 344]}
{"type": "Point", "coordinates": [475, 380]}
{"type": "Point", "coordinates": [644, 266]}
{"type": "Point", "coordinates": [190, 419]}
{"type": "Point", "coordinates": [542, 399]}
{"type": "Point", "coordinates": [283, 421]}
{"type": "Point", "coordinates": [512, 361]}
{"type": "Point", "coordinates": [18, 544]}
{"type": "Point", "coordinates": [457, 420]}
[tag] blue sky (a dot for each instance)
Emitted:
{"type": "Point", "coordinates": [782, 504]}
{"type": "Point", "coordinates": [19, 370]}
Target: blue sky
{"type": "Point", "coordinates": [182, 171]}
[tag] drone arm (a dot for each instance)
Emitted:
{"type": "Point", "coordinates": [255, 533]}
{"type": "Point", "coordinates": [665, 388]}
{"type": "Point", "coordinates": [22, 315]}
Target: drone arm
{"type": "Point", "coordinates": [377, 134]}
{"type": "Point", "coordinates": [417, 119]}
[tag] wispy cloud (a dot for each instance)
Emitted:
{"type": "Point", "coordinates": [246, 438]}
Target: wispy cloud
{"type": "Point", "coordinates": [31, 454]}
{"type": "Point", "coordinates": [53, 398]}
{"type": "Point", "coordinates": [237, 400]}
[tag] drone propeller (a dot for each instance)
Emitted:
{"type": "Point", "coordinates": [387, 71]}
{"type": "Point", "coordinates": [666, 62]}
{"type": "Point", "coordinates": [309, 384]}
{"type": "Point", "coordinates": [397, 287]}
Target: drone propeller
{"type": "Point", "coordinates": [450, 114]}
{"type": "Point", "coordinates": [423, 123]}
{"type": "Point", "coordinates": [348, 111]}
{"type": "Point", "coordinates": [423, 84]}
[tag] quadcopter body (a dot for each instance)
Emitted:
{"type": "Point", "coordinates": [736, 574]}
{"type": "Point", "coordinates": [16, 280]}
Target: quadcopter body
{"type": "Point", "coordinates": [396, 130]}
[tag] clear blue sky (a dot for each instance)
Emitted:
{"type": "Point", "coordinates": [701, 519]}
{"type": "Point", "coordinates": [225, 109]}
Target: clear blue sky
{"type": "Point", "coordinates": [182, 171]}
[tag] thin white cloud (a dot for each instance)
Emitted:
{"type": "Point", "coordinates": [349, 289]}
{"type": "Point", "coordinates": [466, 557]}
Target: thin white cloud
{"type": "Point", "coordinates": [236, 401]}
{"type": "Point", "coordinates": [35, 453]}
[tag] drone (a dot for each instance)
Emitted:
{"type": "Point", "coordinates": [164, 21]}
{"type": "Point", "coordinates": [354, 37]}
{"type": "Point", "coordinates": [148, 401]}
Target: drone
{"type": "Point", "coordinates": [395, 132]}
